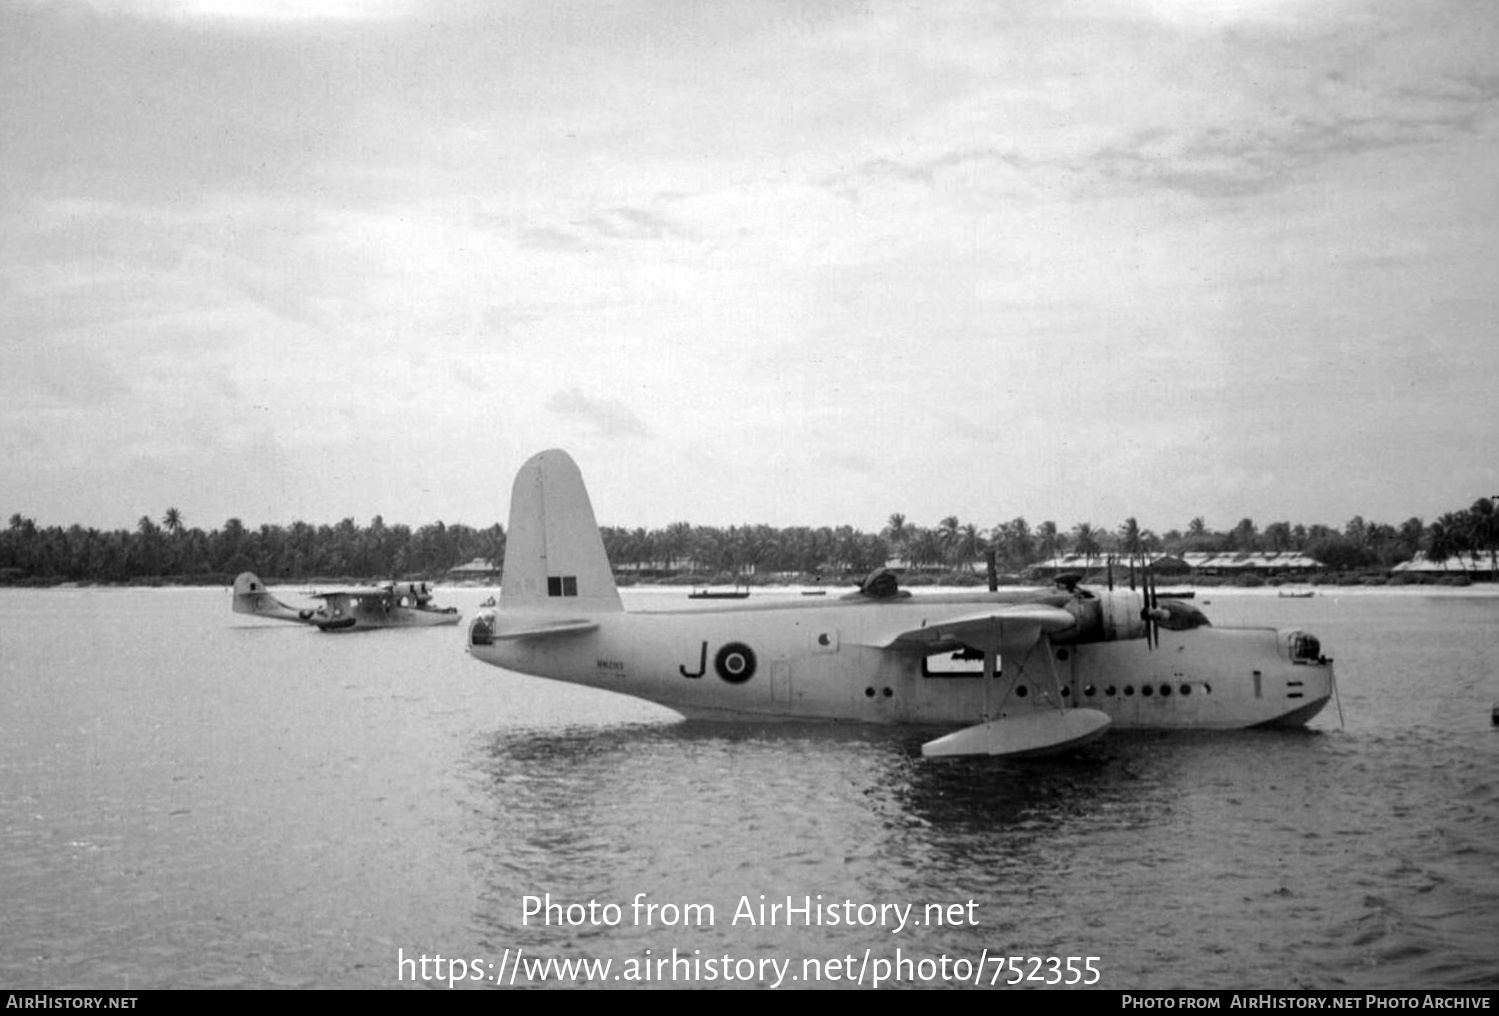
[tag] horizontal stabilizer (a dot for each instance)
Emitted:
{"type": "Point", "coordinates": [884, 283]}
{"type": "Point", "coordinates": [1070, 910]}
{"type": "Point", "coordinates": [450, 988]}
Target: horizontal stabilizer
{"type": "Point", "coordinates": [1034, 734]}
{"type": "Point", "coordinates": [1001, 628]}
{"type": "Point", "coordinates": [544, 629]}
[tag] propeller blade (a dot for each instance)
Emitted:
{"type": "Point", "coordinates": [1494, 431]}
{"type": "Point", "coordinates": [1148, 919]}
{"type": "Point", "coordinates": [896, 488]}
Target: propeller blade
{"type": "Point", "coordinates": [1155, 603]}
{"type": "Point", "coordinates": [1147, 602]}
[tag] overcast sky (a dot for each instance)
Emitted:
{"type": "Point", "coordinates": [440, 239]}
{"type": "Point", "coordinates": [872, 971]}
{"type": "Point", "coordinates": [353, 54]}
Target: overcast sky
{"type": "Point", "coordinates": [792, 263]}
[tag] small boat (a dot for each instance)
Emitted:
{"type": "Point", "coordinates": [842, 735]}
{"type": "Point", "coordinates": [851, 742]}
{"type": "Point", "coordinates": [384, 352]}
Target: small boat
{"type": "Point", "coordinates": [1296, 594]}
{"type": "Point", "coordinates": [718, 594]}
{"type": "Point", "coordinates": [1176, 594]}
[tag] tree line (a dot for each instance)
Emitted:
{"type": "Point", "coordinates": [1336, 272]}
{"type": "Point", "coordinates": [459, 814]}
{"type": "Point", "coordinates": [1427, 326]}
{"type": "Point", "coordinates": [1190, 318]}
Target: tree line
{"type": "Point", "coordinates": [169, 550]}
{"type": "Point", "coordinates": [173, 551]}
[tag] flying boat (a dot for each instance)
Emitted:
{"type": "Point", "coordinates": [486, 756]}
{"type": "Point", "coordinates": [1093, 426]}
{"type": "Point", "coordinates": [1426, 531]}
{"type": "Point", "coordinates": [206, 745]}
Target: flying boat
{"type": "Point", "coordinates": [348, 608]}
{"type": "Point", "coordinates": [1005, 672]}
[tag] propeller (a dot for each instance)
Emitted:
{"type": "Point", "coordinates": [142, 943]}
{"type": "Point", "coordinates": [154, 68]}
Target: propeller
{"type": "Point", "coordinates": [1150, 612]}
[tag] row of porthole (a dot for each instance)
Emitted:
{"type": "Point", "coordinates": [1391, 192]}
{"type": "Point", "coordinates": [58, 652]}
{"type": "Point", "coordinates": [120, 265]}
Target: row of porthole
{"type": "Point", "coordinates": [1146, 690]}
{"type": "Point", "coordinates": [1109, 691]}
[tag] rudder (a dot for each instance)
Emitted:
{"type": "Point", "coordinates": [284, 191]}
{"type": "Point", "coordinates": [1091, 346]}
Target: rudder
{"type": "Point", "coordinates": [252, 597]}
{"type": "Point", "coordinates": [248, 593]}
{"type": "Point", "coordinates": [554, 553]}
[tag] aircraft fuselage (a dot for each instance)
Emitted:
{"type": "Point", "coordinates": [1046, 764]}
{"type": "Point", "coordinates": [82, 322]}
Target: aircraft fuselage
{"type": "Point", "coordinates": [791, 661]}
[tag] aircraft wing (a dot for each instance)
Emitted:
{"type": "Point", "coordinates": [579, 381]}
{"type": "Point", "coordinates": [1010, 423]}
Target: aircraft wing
{"type": "Point", "coordinates": [326, 594]}
{"type": "Point", "coordinates": [1001, 628]}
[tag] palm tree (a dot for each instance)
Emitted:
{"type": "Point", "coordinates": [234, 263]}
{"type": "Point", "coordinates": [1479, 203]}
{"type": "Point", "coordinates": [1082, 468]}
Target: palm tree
{"type": "Point", "coordinates": [1278, 536]}
{"type": "Point", "coordinates": [1446, 539]}
{"type": "Point", "coordinates": [947, 539]}
{"type": "Point", "coordinates": [925, 548]}
{"type": "Point", "coordinates": [1484, 527]}
{"type": "Point", "coordinates": [1012, 542]}
{"type": "Point", "coordinates": [969, 546]}
{"type": "Point", "coordinates": [1086, 541]}
{"type": "Point", "coordinates": [674, 542]}
{"type": "Point", "coordinates": [1244, 535]}
{"type": "Point", "coordinates": [1049, 540]}
{"type": "Point", "coordinates": [172, 521]}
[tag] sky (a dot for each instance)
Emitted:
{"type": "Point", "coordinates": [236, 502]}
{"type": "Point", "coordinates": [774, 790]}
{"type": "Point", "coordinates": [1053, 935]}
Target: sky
{"type": "Point", "coordinates": [749, 262]}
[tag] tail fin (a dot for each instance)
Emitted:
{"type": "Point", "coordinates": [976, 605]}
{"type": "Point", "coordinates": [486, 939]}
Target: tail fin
{"type": "Point", "coordinates": [251, 597]}
{"type": "Point", "coordinates": [554, 555]}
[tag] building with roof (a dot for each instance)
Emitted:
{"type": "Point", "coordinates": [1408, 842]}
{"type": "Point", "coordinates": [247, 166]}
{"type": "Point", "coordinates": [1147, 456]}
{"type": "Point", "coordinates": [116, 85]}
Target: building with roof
{"type": "Point", "coordinates": [1264, 565]}
{"type": "Point", "coordinates": [1475, 565]}
{"type": "Point", "coordinates": [478, 570]}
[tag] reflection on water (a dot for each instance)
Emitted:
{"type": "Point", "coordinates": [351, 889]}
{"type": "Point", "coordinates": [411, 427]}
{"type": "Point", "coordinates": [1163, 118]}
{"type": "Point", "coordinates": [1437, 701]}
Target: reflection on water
{"type": "Point", "coordinates": [189, 800]}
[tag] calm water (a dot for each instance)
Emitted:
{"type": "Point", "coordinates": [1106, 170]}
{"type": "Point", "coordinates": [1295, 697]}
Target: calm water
{"type": "Point", "coordinates": [193, 798]}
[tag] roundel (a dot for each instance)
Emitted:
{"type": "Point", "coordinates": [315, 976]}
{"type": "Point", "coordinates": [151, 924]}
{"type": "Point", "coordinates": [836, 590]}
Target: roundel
{"type": "Point", "coordinates": [735, 663]}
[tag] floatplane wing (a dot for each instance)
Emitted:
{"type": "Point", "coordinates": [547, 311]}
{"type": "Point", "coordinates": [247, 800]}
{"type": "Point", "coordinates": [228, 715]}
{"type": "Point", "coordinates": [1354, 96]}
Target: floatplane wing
{"type": "Point", "coordinates": [1015, 632]}
{"type": "Point", "coordinates": [1006, 629]}
{"type": "Point", "coordinates": [1058, 665]}
{"type": "Point", "coordinates": [345, 592]}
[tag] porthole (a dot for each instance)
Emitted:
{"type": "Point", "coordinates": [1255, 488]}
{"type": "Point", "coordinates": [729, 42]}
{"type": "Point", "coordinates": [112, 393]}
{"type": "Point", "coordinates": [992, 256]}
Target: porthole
{"type": "Point", "coordinates": [869, 693]}
{"type": "Point", "coordinates": [1110, 691]}
{"type": "Point", "coordinates": [1089, 690]}
{"type": "Point", "coordinates": [1165, 691]}
{"type": "Point", "coordinates": [1129, 690]}
{"type": "Point", "coordinates": [1146, 691]}
{"type": "Point", "coordinates": [1186, 689]}
{"type": "Point", "coordinates": [889, 692]}
{"type": "Point", "coordinates": [1062, 654]}
{"type": "Point", "coordinates": [1021, 691]}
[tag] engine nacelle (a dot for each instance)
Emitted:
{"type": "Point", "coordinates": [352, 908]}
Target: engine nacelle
{"type": "Point", "coordinates": [1109, 615]}
{"type": "Point", "coordinates": [418, 593]}
{"type": "Point", "coordinates": [1119, 613]}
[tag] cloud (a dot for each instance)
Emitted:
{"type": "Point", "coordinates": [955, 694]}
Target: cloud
{"type": "Point", "coordinates": [1006, 254]}
{"type": "Point", "coordinates": [607, 417]}
{"type": "Point", "coordinates": [247, 11]}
